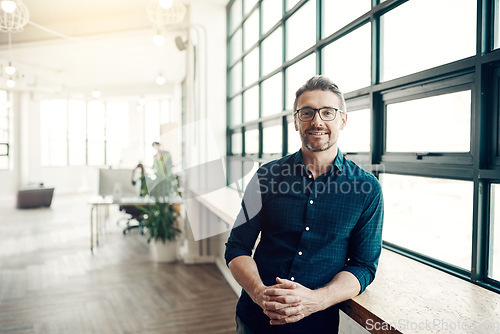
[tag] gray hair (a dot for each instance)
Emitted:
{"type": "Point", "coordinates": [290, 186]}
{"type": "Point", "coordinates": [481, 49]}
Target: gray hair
{"type": "Point", "coordinates": [320, 82]}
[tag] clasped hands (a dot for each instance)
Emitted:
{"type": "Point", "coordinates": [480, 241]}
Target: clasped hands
{"type": "Point", "coordinates": [288, 302]}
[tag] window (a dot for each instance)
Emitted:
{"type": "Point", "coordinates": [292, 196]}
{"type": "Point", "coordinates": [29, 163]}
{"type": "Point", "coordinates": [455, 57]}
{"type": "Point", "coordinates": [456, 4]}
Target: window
{"type": "Point", "coordinates": [423, 110]}
{"type": "Point", "coordinates": [5, 126]}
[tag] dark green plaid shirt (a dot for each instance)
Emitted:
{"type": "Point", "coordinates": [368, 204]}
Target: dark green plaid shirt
{"type": "Point", "coordinates": [310, 231]}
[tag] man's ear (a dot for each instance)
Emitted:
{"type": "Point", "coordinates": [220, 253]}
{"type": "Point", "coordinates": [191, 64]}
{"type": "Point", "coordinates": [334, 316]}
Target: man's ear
{"type": "Point", "coordinates": [344, 120]}
{"type": "Point", "coordinates": [295, 120]}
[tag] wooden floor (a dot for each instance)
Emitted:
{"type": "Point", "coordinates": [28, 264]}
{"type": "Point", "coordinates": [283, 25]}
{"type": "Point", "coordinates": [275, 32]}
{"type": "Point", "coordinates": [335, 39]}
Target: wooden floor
{"type": "Point", "coordinates": [51, 283]}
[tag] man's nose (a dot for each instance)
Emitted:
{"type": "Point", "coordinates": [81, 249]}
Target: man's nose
{"type": "Point", "coordinates": [317, 121]}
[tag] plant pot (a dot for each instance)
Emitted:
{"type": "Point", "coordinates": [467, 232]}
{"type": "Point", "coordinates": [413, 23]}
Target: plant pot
{"type": "Point", "coordinates": [163, 252]}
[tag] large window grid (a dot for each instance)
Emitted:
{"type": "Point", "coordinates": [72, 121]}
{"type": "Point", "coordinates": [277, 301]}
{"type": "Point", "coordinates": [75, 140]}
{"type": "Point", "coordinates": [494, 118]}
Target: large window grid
{"type": "Point", "coordinates": [5, 132]}
{"type": "Point", "coordinates": [474, 78]}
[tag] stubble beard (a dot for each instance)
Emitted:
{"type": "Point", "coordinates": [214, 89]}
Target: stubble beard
{"type": "Point", "coordinates": [325, 147]}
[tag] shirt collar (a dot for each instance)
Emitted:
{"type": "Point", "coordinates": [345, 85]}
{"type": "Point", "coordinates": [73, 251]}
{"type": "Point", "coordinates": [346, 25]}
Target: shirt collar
{"type": "Point", "coordinates": [338, 163]}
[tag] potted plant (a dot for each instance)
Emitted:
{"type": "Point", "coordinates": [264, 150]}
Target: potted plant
{"type": "Point", "coordinates": [160, 219]}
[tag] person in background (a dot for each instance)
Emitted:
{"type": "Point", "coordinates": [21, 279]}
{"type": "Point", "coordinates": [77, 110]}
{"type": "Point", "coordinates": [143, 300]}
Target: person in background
{"type": "Point", "coordinates": [319, 217]}
{"type": "Point", "coordinates": [142, 178]}
{"type": "Point", "coordinates": [165, 183]}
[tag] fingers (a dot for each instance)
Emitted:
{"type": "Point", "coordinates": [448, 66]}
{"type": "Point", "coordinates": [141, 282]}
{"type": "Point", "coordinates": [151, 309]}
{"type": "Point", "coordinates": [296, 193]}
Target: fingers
{"type": "Point", "coordinates": [284, 313]}
{"type": "Point", "coordinates": [287, 320]}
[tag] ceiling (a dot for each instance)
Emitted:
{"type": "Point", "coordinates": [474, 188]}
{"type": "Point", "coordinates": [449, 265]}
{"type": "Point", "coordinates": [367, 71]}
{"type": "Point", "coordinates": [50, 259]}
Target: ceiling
{"type": "Point", "coordinates": [74, 46]}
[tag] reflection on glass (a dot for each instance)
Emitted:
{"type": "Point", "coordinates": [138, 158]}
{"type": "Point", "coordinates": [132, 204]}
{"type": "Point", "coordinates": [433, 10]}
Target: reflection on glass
{"type": "Point", "coordinates": [251, 65]}
{"type": "Point", "coordinates": [236, 143]}
{"type": "Point", "coordinates": [235, 15]}
{"type": "Point", "coordinates": [272, 139]}
{"type": "Point", "coordinates": [271, 95]}
{"type": "Point", "coordinates": [251, 27]}
{"type": "Point", "coordinates": [77, 130]}
{"type": "Point", "coordinates": [235, 77]}
{"type": "Point", "coordinates": [271, 14]}
{"type": "Point", "coordinates": [271, 51]}
{"type": "Point", "coordinates": [251, 104]}
{"type": "Point", "coordinates": [252, 141]}
{"type": "Point", "coordinates": [294, 142]}
{"type": "Point", "coordinates": [235, 46]}
{"type": "Point", "coordinates": [248, 177]}
{"type": "Point", "coordinates": [430, 216]}
{"type": "Point", "coordinates": [410, 46]}
{"type": "Point", "coordinates": [355, 137]}
{"type": "Point", "coordinates": [301, 30]}
{"type": "Point", "coordinates": [339, 13]}
{"type": "Point", "coordinates": [433, 124]}
{"type": "Point", "coordinates": [297, 75]}
{"type": "Point", "coordinates": [494, 268]}
{"type": "Point", "coordinates": [349, 70]}
{"type": "Point", "coordinates": [235, 110]}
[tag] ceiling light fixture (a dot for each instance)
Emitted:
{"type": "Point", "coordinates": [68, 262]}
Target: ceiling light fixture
{"type": "Point", "coordinates": [16, 15]}
{"type": "Point", "coordinates": [96, 94]}
{"type": "Point", "coordinates": [8, 6]}
{"type": "Point", "coordinates": [10, 83]}
{"type": "Point", "coordinates": [10, 70]}
{"type": "Point", "coordinates": [158, 39]}
{"type": "Point", "coordinates": [166, 4]}
{"type": "Point", "coordinates": [160, 80]}
{"type": "Point", "coordinates": [160, 16]}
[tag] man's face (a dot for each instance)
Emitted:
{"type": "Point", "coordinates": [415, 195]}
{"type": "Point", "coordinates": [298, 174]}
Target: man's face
{"type": "Point", "coordinates": [318, 135]}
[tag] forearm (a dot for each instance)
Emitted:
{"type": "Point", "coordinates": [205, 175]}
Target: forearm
{"type": "Point", "coordinates": [342, 287]}
{"type": "Point", "coordinates": [245, 272]}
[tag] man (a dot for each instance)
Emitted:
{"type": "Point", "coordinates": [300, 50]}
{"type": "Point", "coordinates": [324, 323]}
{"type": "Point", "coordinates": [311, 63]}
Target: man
{"type": "Point", "coordinates": [164, 183]}
{"type": "Point", "coordinates": [319, 216]}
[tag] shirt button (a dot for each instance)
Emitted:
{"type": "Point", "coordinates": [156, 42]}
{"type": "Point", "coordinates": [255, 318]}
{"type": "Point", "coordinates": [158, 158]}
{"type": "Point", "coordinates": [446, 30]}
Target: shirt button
{"type": "Point", "coordinates": [292, 278]}
{"type": "Point", "coordinates": [311, 202]}
{"type": "Point", "coordinates": [300, 253]}
{"type": "Point", "coordinates": [307, 228]}
{"type": "Point", "coordinates": [310, 176]}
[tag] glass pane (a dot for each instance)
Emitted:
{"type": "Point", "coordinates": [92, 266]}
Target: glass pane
{"type": "Point", "coordinates": [272, 139]}
{"type": "Point", "coordinates": [251, 30]}
{"type": "Point", "coordinates": [350, 70]}
{"type": "Point", "coordinates": [449, 34]}
{"type": "Point", "coordinates": [430, 216]}
{"type": "Point", "coordinates": [271, 14]}
{"type": "Point", "coordinates": [249, 4]}
{"type": "Point", "coordinates": [294, 142]}
{"type": "Point", "coordinates": [117, 121]}
{"type": "Point", "coordinates": [236, 143]}
{"type": "Point", "coordinates": [54, 132]}
{"type": "Point", "coordinates": [355, 137]}
{"type": "Point", "coordinates": [235, 110]}
{"type": "Point", "coordinates": [235, 15]}
{"type": "Point", "coordinates": [235, 46]}
{"type": "Point", "coordinates": [272, 48]}
{"type": "Point", "coordinates": [96, 121]}
{"type": "Point", "coordinates": [301, 30]}
{"type": "Point", "coordinates": [251, 98]}
{"type": "Point", "coordinates": [290, 4]}
{"type": "Point", "coordinates": [251, 65]}
{"type": "Point", "coordinates": [235, 77]}
{"type": "Point", "coordinates": [339, 13]}
{"type": "Point", "coordinates": [272, 92]}
{"type": "Point", "coordinates": [297, 75]}
{"type": "Point", "coordinates": [252, 141]}
{"type": "Point", "coordinates": [494, 267]}
{"type": "Point", "coordinates": [4, 149]}
{"type": "Point", "coordinates": [4, 162]}
{"type": "Point", "coordinates": [417, 125]}
{"type": "Point", "coordinates": [77, 132]}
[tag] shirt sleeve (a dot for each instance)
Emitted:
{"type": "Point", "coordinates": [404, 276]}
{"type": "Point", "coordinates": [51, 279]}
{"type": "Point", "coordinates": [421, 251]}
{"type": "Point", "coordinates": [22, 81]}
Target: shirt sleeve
{"type": "Point", "coordinates": [247, 225]}
{"type": "Point", "coordinates": [365, 244]}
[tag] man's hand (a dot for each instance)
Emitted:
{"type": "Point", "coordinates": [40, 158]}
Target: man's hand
{"type": "Point", "coordinates": [290, 302]}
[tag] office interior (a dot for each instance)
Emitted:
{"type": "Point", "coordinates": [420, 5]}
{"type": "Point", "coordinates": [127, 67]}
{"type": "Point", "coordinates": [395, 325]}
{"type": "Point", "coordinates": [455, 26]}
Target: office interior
{"type": "Point", "coordinates": [97, 82]}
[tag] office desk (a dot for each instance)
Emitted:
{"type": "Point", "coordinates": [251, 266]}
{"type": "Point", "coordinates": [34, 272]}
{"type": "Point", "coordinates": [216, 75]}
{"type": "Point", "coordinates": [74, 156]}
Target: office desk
{"type": "Point", "coordinates": [99, 212]}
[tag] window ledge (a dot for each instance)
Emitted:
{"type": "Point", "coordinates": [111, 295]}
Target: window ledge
{"type": "Point", "coordinates": [406, 296]}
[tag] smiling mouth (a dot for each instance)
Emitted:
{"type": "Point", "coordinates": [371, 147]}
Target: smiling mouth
{"type": "Point", "coordinates": [316, 133]}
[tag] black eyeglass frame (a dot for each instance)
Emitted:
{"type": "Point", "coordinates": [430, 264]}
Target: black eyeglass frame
{"type": "Point", "coordinates": [318, 110]}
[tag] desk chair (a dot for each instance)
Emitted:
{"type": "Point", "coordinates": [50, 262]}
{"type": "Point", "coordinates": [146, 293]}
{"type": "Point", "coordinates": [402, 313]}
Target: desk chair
{"type": "Point", "coordinates": [133, 214]}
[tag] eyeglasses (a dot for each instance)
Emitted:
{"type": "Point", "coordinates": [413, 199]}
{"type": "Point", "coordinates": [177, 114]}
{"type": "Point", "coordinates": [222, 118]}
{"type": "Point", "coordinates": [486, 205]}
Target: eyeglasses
{"type": "Point", "coordinates": [307, 114]}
